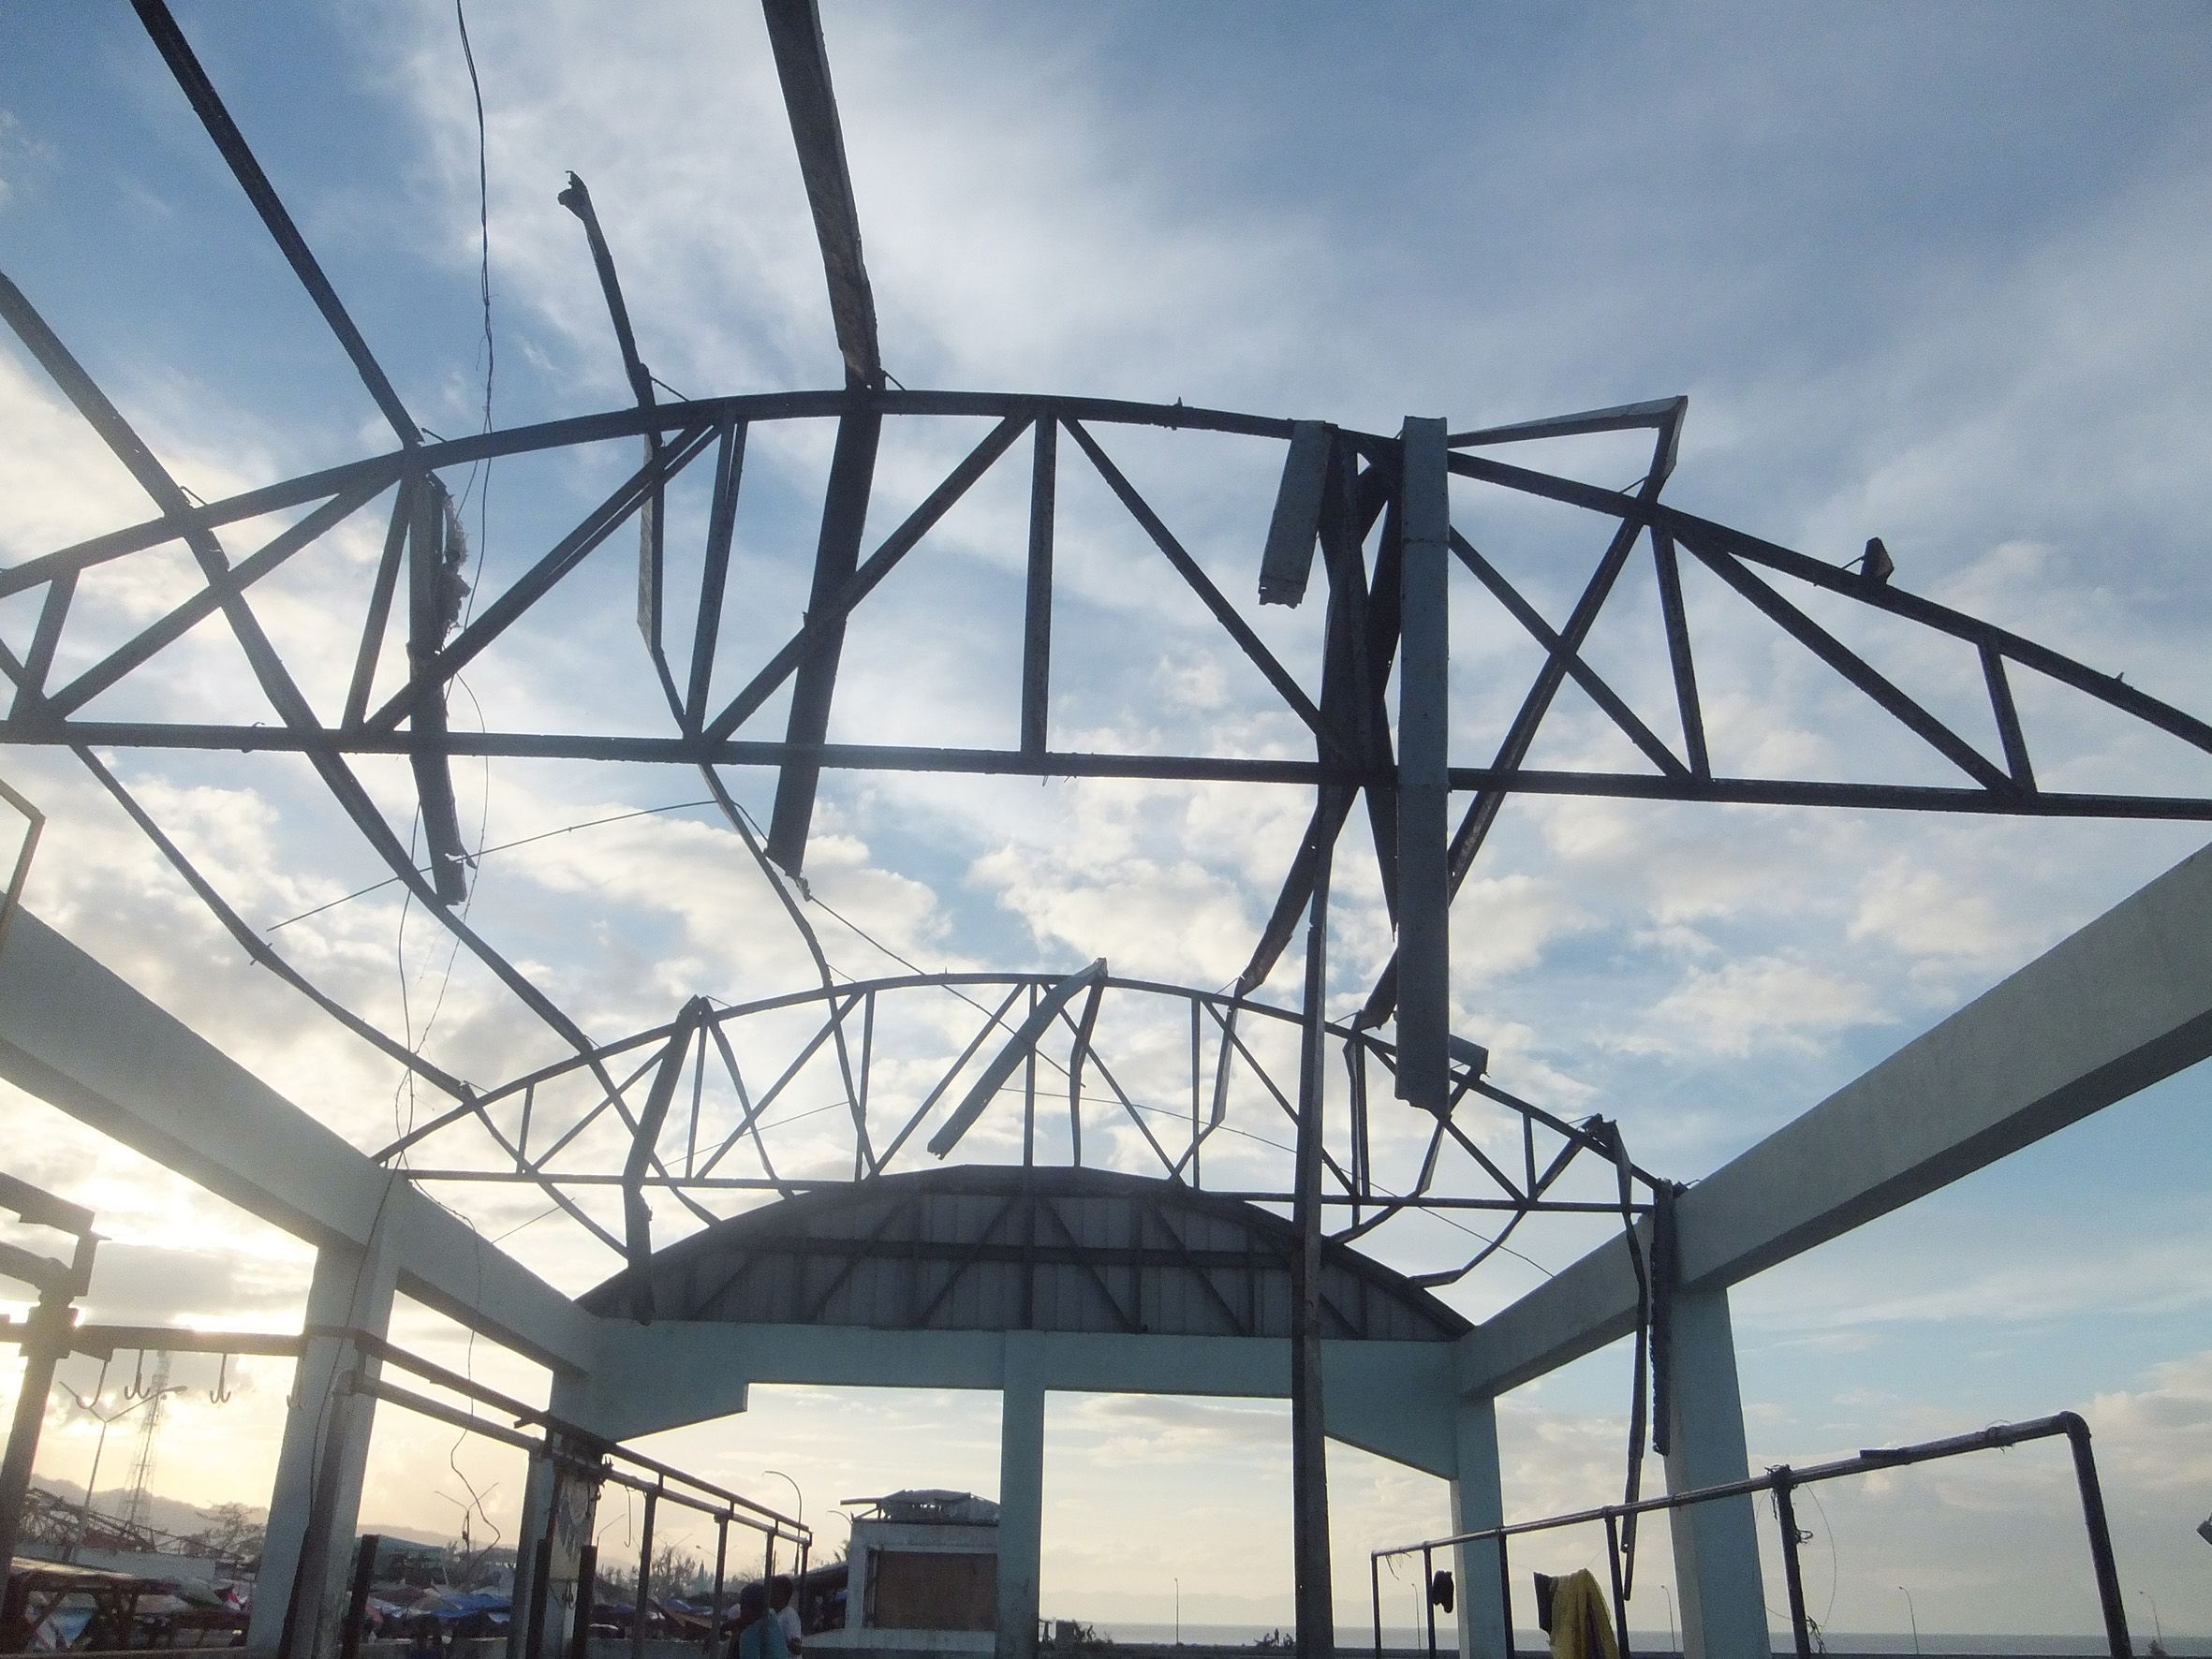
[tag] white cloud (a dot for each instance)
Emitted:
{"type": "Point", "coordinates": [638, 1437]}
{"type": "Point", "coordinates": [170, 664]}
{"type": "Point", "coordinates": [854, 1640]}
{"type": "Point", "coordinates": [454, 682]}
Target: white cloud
{"type": "Point", "coordinates": [1769, 1001]}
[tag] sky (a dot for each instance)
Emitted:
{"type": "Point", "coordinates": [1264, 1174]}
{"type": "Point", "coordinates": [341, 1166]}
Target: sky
{"type": "Point", "coordinates": [1939, 283]}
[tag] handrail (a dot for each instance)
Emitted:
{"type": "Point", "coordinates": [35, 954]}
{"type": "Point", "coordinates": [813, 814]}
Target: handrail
{"type": "Point", "coordinates": [1781, 1480]}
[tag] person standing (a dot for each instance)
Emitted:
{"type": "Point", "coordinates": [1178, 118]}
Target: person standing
{"type": "Point", "coordinates": [758, 1636]}
{"type": "Point", "coordinates": [787, 1614]}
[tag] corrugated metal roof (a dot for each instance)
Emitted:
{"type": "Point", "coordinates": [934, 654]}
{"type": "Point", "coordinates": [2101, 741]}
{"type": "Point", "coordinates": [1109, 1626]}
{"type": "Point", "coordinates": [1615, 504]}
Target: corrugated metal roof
{"type": "Point", "coordinates": [993, 1248]}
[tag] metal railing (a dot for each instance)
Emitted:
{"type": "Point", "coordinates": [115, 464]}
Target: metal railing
{"type": "Point", "coordinates": [1781, 1481]}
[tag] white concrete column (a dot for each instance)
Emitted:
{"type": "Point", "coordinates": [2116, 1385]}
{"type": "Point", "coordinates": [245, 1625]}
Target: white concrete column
{"type": "Point", "coordinates": [315, 1507]}
{"type": "Point", "coordinates": [1716, 1544]}
{"type": "Point", "coordinates": [1021, 1494]}
{"type": "Point", "coordinates": [1477, 1499]}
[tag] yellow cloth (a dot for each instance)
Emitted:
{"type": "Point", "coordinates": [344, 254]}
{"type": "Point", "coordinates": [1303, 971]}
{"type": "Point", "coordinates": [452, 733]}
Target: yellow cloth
{"type": "Point", "coordinates": [1581, 1626]}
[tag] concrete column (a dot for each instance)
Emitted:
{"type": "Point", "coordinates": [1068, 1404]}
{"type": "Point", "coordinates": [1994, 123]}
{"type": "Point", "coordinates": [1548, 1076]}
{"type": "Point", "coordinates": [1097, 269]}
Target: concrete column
{"type": "Point", "coordinates": [1716, 1544]}
{"type": "Point", "coordinates": [1020, 1495]}
{"type": "Point", "coordinates": [1477, 1499]}
{"type": "Point", "coordinates": [315, 1507]}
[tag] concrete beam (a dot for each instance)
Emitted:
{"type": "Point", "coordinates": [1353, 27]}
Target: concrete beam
{"type": "Point", "coordinates": [1392, 1399]}
{"type": "Point", "coordinates": [81, 1039]}
{"type": "Point", "coordinates": [2118, 1006]}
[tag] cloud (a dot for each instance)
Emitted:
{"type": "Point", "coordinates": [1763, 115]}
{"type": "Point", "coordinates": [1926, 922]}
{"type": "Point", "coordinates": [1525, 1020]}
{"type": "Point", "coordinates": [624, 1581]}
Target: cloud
{"type": "Point", "coordinates": [1770, 1001]}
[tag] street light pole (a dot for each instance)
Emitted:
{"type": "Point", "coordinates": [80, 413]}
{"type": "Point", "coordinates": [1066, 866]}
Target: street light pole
{"type": "Point", "coordinates": [1912, 1613]}
{"type": "Point", "coordinates": [799, 1507]}
{"type": "Point", "coordinates": [2157, 1631]}
{"type": "Point", "coordinates": [1674, 1636]}
{"type": "Point", "coordinates": [1178, 1612]}
{"type": "Point", "coordinates": [798, 1515]}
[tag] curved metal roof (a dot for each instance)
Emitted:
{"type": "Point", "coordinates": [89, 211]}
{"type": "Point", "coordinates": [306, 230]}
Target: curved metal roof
{"type": "Point", "coordinates": [993, 1248]}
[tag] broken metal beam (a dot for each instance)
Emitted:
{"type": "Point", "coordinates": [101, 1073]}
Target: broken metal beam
{"type": "Point", "coordinates": [803, 64]}
{"type": "Point", "coordinates": [170, 40]}
{"type": "Point", "coordinates": [1287, 561]}
{"type": "Point", "coordinates": [836, 558]}
{"type": "Point", "coordinates": [434, 592]}
{"type": "Point", "coordinates": [1018, 1047]}
{"type": "Point", "coordinates": [1424, 898]}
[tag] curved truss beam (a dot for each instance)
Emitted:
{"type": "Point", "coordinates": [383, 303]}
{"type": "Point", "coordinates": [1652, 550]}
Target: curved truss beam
{"type": "Point", "coordinates": [540, 1125]}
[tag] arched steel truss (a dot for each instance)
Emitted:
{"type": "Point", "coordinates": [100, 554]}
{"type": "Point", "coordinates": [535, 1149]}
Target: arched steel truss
{"type": "Point", "coordinates": [706, 1108]}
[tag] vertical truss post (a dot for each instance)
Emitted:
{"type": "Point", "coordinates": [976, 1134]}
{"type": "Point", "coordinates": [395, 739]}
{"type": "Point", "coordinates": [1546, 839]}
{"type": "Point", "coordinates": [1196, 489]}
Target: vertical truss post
{"type": "Point", "coordinates": [1037, 624]}
{"type": "Point", "coordinates": [730, 460]}
{"type": "Point", "coordinates": [435, 589]}
{"type": "Point", "coordinates": [1424, 919]}
{"type": "Point", "coordinates": [1309, 1452]}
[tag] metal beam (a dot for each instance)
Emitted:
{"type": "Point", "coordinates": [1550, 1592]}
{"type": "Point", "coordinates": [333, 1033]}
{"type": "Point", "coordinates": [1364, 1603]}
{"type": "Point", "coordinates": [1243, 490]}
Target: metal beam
{"type": "Point", "coordinates": [836, 558]}
{"type": "Point", "coordinates": [803, 64]}
{"type": "Point", "coordinates": [1287, 560]}
{"type": "Point", "coordinates": [2113, 1008]}
{"type": "Point", "coordinates": [208, 106]}
{"type": "Point", "coordinates": [1424, 665]}
{"type": "Point", "coordinates": [1002, 1065]}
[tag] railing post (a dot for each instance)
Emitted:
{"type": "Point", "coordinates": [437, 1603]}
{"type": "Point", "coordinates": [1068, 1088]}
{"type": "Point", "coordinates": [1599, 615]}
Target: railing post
{"type": "Point", "coordinates": [644, 1577]}
{"type": "Point", "coordinates": [2100, 1556]}
{"type": "Point", "coordinates": [542, 1570]}
{"type": "Point", "coordinates": [721, 1566]}
{"type": "Point", "coordinates": [1620, 1600]}
{"type": "Point", "coordinates": [1428, 1596]}
{"type": "Point", "coordinates": [357, 1601]}
{"type": "Point", "coordinates": [587, 1583]}
{"type": "Point", "coordinates": [1792, 1571]}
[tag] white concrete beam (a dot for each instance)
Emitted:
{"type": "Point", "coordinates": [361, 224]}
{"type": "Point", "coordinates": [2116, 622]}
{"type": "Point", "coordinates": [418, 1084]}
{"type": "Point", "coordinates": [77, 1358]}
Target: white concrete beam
{"type": "Point", "coordinates": [2116, 1007]}
{"type": "Point", "coordinates": [1392, 1399]}
{"type": "Point", "coordinates": [81, 1038]}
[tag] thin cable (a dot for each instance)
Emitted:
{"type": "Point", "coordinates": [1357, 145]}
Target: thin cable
{"type": "Point", "coordinates": [549, 1210]}
{"type": "Point", "coordinates": [1828, 1531]}
{"type": "Point", "coordinates": [644, 812]}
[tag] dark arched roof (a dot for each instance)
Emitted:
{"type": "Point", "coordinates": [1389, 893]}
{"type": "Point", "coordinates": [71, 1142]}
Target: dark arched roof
{"type": "Point", "coordinates": [984, 1247]}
